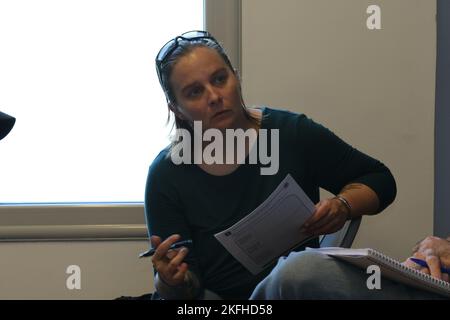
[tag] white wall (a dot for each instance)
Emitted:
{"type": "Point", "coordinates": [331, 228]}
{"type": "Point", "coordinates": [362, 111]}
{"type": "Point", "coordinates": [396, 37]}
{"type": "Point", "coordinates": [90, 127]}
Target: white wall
{"type": "Point", "coordinates": [374, 88]}
{"type": "Point", "coordinates": [109, 269]}
{"type": "Point", "coordinates": [38, 243]}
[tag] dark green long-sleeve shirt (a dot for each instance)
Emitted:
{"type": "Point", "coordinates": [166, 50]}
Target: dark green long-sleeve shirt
{"type": "Point", "coordinates": [186, 200]}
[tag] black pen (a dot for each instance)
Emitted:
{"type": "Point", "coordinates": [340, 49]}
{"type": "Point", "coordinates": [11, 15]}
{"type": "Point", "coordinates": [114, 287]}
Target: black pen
{"type": "Point", "coordinates": [176, 245]}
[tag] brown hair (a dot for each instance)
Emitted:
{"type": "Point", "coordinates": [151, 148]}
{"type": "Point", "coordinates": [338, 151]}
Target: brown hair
{"type": "Point", "coordinates": [166, 68]}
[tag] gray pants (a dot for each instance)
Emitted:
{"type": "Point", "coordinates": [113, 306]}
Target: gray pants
{"type": "Point", "coordinates": [312, 275]}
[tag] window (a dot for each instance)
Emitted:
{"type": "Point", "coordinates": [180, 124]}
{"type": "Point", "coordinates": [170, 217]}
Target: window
{"type": "Point", "coordinates": [79, 77]}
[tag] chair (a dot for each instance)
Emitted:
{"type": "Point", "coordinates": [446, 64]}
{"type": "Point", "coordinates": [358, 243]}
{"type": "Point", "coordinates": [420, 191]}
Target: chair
{"type": "Point", "coordinates": [344, 237]}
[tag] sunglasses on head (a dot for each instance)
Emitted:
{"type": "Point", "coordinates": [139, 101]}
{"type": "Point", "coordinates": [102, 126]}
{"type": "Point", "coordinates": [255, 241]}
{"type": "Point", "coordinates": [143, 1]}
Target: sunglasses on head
{"type": "Point", "coordinates": [172, 44]}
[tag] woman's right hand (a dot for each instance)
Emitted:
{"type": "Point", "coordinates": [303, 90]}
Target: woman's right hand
{"type": "Point", "coordinates": [167, 262]}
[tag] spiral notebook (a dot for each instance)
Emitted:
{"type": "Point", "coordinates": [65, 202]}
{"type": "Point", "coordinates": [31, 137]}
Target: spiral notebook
{"type": "Point", "coordinates": [390, 268]}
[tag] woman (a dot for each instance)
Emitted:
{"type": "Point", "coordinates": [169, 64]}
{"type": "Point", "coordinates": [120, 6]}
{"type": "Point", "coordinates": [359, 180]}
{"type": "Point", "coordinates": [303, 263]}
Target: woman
{"type": "Point", "coordinates": [195, 201]}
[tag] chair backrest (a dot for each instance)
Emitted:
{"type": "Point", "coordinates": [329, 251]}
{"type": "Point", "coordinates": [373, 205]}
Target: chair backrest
{"type": "Point", "coordinates": [344, 237]}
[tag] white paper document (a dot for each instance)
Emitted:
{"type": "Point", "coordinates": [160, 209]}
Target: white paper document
{"type": "Point", "coordinates": [270, 230]}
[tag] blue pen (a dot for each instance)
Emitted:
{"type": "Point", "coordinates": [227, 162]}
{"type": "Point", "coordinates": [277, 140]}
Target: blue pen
{"type": "Point", "coordinates": [424, 264]}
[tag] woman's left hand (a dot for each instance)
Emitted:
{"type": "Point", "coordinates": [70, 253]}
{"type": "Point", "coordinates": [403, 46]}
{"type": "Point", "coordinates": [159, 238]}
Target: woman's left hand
{"type": "Point", "coordinates": [329, 217]}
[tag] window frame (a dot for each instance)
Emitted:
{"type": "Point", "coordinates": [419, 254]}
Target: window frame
{"type": "Point", "coordinates": [109, 221]}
